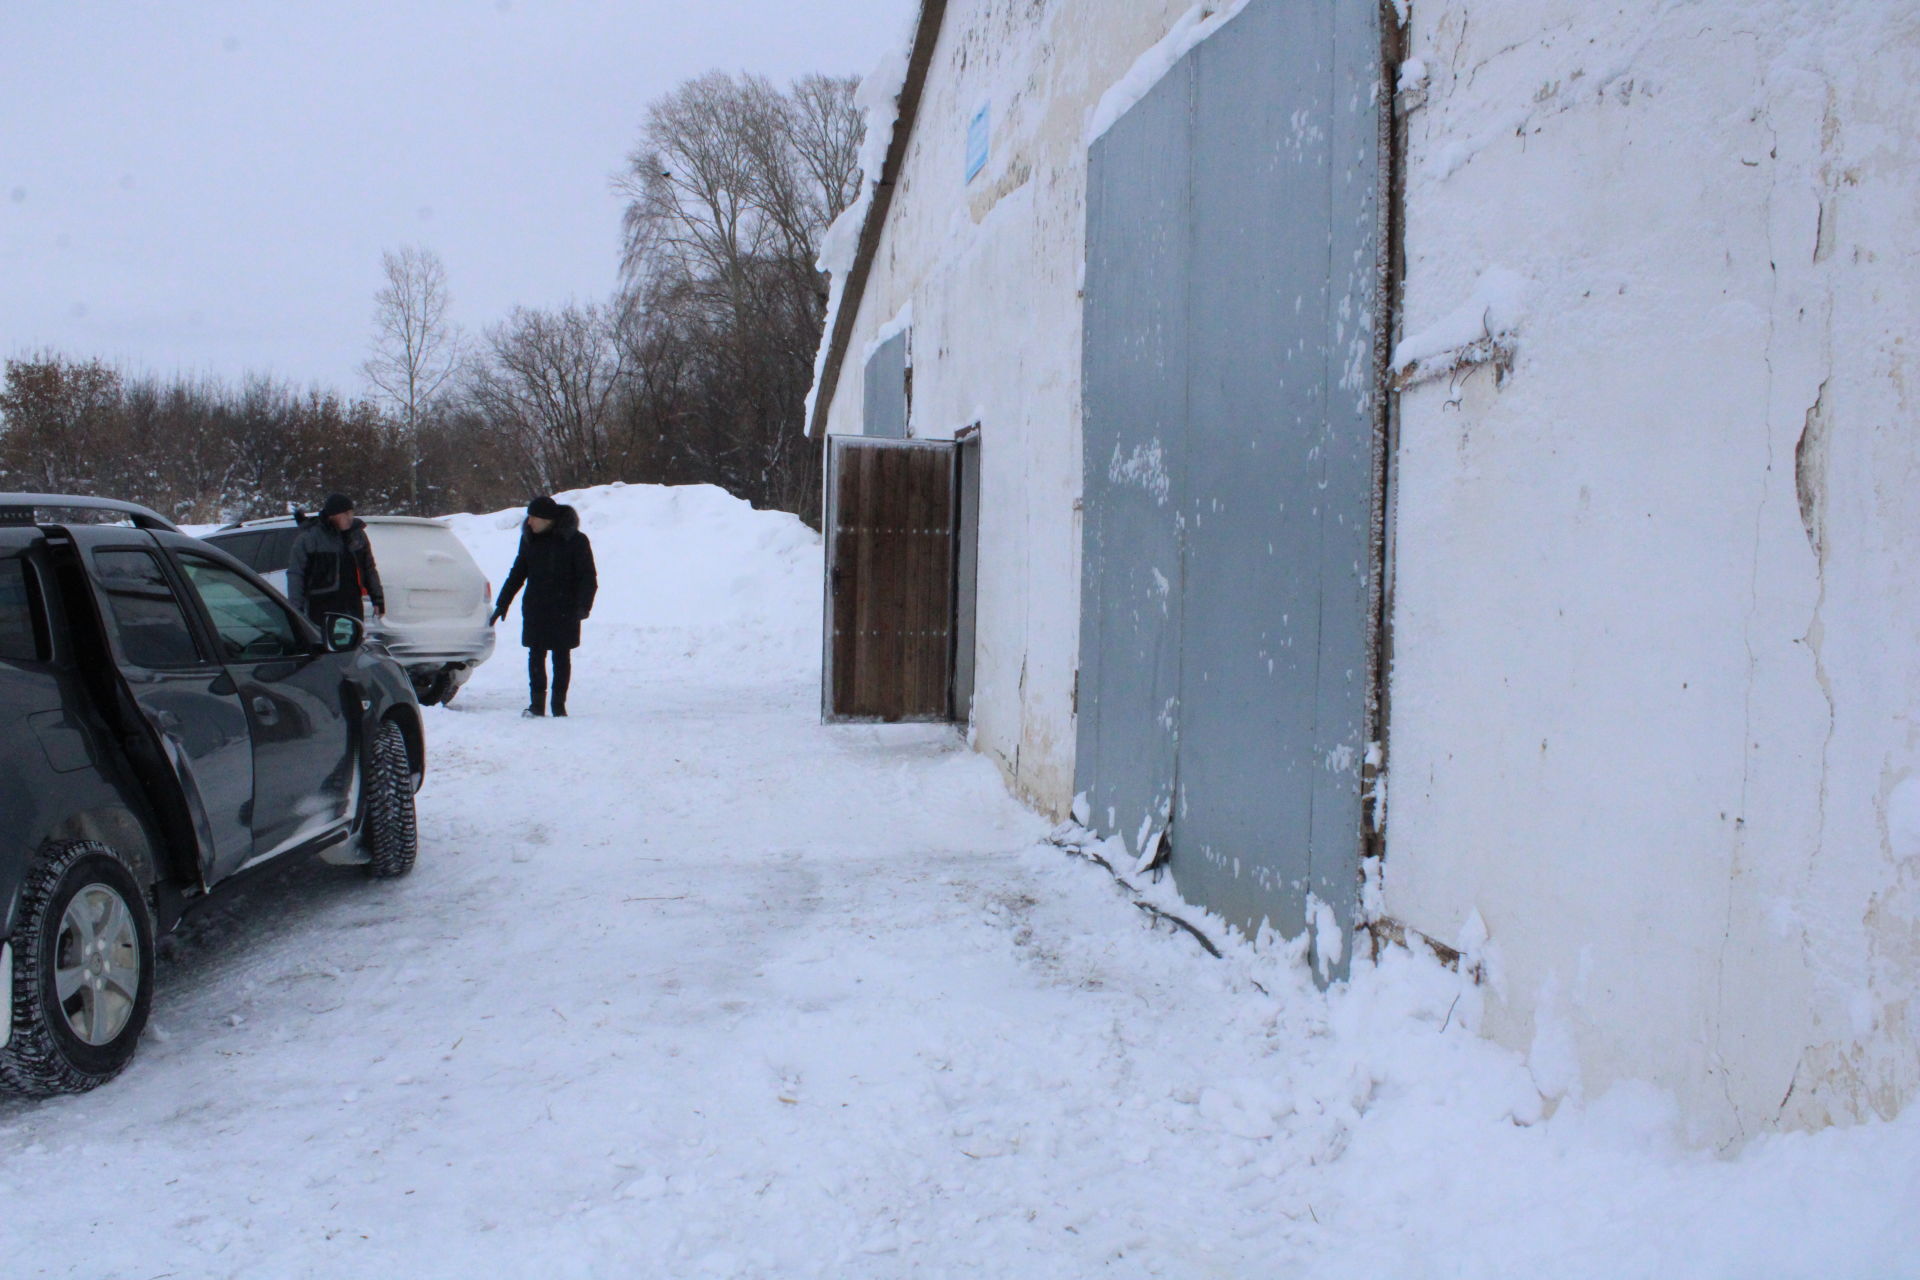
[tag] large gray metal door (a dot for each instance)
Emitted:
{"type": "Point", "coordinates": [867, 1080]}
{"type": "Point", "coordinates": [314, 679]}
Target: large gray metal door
{"type": "Point", "coordinates": [1231, 287]}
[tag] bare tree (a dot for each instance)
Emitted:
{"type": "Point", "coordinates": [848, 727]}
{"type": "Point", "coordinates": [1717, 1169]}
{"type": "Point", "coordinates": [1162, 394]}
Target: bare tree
{"type": "Point", "coordinates": [732, 172]}
{"type": "Point", "coordinates": [61, 425]}
{"type": "Point", "coordinates": [416, 348]}
{"type": "Point", "coordinates": [827, 131]}
{"type": "Point", "coordinates": [551, 381]}
{"type": "Point", "coordinates": [728, 196]}
{"type": "Point", "coordinates": [192, 446]}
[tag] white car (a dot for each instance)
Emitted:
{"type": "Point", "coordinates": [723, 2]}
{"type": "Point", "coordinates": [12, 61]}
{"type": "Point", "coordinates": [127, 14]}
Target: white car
{"type": "Point", "coordinates": [438, 600]}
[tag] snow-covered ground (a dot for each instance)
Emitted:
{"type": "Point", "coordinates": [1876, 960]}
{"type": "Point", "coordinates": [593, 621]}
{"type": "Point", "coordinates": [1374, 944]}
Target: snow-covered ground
{"type": "Point", "coordinates": [689, 985]}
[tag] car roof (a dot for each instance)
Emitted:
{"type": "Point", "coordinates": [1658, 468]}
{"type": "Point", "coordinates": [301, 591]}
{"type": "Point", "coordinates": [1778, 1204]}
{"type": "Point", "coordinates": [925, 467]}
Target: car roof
{"type": "Point", "coordinates": [22, 509]}
{"type": "Point", "coordinates": [437, 524]}
{"type": "Point", "coordinates": [287, 522]}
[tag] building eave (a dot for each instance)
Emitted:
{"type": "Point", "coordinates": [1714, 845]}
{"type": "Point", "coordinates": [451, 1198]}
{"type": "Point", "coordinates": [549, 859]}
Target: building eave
{"type": "Point", "coordinates": [920, 60]}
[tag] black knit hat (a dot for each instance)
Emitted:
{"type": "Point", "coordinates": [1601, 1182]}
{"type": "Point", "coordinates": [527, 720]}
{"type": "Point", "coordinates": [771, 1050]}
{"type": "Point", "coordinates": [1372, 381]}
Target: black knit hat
{"type": "Point", "coordinates": [544, 507]}
{"type": "Point", "coordinates": [336, 504]}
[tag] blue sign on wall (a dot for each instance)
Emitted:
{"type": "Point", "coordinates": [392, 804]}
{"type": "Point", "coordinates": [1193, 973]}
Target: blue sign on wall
{"type": "Point", "coordinates": [979, 140]}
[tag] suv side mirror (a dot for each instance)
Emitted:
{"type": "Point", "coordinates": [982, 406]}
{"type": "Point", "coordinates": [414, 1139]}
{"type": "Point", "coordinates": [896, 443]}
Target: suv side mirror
{"type": "Point", "coordinates": [344, 632]}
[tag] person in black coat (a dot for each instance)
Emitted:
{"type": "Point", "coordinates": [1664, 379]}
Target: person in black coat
{"type": "Point", "coordinates": [555, 565]}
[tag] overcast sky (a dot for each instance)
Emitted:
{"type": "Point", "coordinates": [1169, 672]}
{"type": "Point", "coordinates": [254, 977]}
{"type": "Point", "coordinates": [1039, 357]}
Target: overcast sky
{"type": "Point", "coordinates": [207, 186]}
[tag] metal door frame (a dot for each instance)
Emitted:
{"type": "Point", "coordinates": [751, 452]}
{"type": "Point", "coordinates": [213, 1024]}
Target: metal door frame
{"type": "Point", "coordinates": [966, 572]}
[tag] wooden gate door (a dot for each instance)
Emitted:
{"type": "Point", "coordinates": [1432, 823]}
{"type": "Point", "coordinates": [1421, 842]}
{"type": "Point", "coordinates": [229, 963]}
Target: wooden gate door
{"type": "Point", "coordinates": [891, 518]}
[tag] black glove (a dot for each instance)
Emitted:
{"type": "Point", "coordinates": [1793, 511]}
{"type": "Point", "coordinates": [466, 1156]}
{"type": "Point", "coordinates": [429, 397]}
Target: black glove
{"type": "Point", "coordinates": [496, 615]}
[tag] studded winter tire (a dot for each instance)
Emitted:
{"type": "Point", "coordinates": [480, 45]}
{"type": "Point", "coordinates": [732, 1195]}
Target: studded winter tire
{"type": "Point", "coordinates": [391, 837]}
{"type": "Point", "coordinates": [82, 972]}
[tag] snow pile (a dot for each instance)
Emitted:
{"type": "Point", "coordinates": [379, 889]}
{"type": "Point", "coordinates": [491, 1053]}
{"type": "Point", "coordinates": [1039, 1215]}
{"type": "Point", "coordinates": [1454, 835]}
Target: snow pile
{"type": "Point", "coordinates": [1387, 1137]}
{"type": "Point", "coordinates": [688, 574]}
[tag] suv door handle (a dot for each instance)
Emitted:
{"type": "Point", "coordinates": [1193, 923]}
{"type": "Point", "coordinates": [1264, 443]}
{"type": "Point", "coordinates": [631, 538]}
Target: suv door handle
{"type": "Point", "coordinates": [264, 708]}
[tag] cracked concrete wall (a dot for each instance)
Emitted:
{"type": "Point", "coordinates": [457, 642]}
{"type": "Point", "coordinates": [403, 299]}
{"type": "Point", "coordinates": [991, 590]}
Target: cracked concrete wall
{"type": "Point", "coordinates": [988, 271]}
{"type": "Point", "coordinates": [1656, 624]}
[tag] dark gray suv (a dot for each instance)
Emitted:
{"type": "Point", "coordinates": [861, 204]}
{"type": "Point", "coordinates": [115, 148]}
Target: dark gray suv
{"type": "Point", "coordinates": [167, 722]}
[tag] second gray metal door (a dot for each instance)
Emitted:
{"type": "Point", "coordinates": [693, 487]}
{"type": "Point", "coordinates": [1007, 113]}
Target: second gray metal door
{"type": "Point", "coordinates": [1232, 289]}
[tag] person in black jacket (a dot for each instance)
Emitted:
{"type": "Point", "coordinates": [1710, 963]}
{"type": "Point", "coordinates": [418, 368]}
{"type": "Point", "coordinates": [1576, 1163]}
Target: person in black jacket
{"type": "Point", "coordinates": [332, 565]}
{"type": "Point", "coordinates": [555, 565]}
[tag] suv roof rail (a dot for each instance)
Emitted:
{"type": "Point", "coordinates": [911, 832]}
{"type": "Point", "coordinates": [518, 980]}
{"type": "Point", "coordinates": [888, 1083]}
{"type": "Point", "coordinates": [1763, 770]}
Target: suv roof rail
{"type": "Point", "coordinates": [299, 518]}
{"type": "Point", "coordinates": [19, 508]}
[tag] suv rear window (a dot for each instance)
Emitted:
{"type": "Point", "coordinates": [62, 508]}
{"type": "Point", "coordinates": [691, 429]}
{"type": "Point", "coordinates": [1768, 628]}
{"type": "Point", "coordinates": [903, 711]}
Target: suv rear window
{"type": "Point", "coordinates": [241, 546]}
{"type": "Point", "coordinates": [261, 550]}
{"type": "Point", "coordinates": [275, 551]}
{"type": "Point", "coordinates": [20, 629]}
{"type": "Point", "coordinates": [416, 539]}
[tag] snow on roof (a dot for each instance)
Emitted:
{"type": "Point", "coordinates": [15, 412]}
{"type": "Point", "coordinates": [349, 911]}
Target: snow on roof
{"type": "Point", "coordinates": [890, 98]}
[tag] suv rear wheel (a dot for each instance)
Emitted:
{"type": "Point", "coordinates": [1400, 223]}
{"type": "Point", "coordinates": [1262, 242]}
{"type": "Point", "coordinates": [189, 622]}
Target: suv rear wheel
{"type": "Point", "coordinates": [82, 972]}
{"type": "Point", "coordinates": [433, 690]}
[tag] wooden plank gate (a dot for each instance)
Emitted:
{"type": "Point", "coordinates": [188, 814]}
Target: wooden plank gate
{"type": "Point", "coordinates": [891, 529]}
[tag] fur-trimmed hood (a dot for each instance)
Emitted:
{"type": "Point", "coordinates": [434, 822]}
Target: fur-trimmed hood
{"type": "Point", "coordinates": [566, 524]}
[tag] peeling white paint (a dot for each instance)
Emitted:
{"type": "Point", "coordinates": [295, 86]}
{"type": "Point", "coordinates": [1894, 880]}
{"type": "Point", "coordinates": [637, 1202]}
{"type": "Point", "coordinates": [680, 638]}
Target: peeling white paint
{"type": "Point", "coordinates": [1144, 467]}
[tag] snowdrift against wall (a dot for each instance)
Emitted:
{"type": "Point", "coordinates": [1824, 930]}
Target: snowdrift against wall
{"type": "Point", "coordinates": [702, 577]}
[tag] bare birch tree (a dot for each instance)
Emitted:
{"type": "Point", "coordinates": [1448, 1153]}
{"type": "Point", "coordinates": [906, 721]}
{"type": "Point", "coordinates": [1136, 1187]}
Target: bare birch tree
{"type": "Point", "coordinates": [416, 348]}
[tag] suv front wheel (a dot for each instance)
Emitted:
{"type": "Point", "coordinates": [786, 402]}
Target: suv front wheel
{"type": "Point", "coordinates": [82, 972]}
{"type": "Point", "coordinates": [391, 836]}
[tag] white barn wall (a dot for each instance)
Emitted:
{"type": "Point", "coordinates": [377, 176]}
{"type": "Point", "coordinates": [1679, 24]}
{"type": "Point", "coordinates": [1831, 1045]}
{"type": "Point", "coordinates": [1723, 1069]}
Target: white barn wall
{"type": "Point", "coordinates": [1657, 599]}
{"type": "Point", "coordinates": [1656, 622]}
{"type": "Point", "coordinates": [992, 272]}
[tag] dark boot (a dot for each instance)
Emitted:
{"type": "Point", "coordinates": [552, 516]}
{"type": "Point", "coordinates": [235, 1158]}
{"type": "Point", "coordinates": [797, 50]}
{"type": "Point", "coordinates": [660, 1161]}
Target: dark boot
{"type": "Point", "coordinates": [537, 683]}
